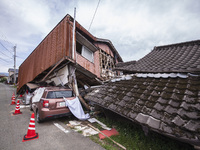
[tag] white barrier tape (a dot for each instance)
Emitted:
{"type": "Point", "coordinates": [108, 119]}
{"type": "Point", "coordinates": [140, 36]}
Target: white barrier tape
{"type": "Point", "coordinates": [30, 128]}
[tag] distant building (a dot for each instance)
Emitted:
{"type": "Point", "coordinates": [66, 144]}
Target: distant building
{"type": "Point", "coordinates": [11, 75]}
{"type": "Point", "coordinates": [3, 74]}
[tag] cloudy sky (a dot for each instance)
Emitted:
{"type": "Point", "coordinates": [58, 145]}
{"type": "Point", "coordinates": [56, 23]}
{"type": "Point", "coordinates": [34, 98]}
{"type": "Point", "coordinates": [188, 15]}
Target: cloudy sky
{"type": "Point", "coordinates": [133, 26]}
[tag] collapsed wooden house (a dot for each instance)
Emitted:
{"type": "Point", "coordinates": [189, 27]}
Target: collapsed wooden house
{"type": "Point", "coordinates": [55, 61]}
{"type": "Point", "coordinates": [161, 92]}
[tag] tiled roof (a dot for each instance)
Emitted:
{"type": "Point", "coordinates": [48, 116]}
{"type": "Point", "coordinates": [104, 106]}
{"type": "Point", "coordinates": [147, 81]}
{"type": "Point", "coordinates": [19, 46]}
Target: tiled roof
{"type": "Point", "coordinates": [12, 70]}
{"type": "Point", "coordinates": [180, 57]}
{"type": "Point", "coordinates": [170, 106]}
{"type": "Point", "coordinates": [124, 64]}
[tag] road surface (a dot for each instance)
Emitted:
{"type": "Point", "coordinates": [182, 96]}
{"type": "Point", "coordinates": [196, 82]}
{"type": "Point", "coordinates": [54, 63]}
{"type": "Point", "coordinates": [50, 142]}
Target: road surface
{"type": "Point", "coordinates": [52, 134]}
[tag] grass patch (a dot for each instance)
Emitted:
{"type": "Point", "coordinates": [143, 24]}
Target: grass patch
{"type": "Point", "coordinates": [107, 144]}
{"type": "Point", "coordinates": [132, 137]}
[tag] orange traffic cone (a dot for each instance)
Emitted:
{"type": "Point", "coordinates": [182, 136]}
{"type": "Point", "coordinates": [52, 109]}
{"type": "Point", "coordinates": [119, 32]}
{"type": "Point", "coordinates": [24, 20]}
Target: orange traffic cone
{"type": "Point", "coordinates": [31, 135]}
{"type": "Point", "coordinates": [13, 99]}
{"type": "Point", "coordinates": [17, 109]}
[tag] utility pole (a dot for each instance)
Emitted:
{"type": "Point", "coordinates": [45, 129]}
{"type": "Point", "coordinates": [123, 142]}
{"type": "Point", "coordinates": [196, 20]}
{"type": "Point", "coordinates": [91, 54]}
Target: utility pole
{"type": "Point", "coordinates": [73, 35]}
{"type": "Point", "coordinates": [14, 64]}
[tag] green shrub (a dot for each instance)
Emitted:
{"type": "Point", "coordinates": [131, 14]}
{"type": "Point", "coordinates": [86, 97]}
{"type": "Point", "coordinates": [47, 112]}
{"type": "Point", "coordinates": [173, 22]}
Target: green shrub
{"type": "Point", "coordinates": [3, 79]}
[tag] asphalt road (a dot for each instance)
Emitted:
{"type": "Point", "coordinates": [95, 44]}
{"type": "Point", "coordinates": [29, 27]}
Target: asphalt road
{"type": "Point", "coordinates": [13, 128]}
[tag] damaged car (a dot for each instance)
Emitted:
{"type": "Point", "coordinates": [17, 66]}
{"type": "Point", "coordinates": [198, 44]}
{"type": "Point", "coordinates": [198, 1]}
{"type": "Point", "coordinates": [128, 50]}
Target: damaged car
{"type": "Point", "coordinates": [48, 102]}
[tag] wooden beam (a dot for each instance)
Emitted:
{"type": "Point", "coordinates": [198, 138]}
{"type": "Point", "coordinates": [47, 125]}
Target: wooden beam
{"type": "Point", "coordinates": [58, 63]}
{"type": "Point", "coordinates": [83, 102]}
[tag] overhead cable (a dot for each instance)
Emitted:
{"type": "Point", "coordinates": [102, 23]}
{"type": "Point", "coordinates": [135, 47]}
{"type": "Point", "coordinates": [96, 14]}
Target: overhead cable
{"type": "Point", "coordinates": [5, 47]}
{"type": "Point", "coordinates": [5, 38]}
{"type": "Point", "coordinates": [5, 55]}
{"type": "Point", "coordinates": [5, 60]}
{"type": "Point", "coordinates": [94, 15]}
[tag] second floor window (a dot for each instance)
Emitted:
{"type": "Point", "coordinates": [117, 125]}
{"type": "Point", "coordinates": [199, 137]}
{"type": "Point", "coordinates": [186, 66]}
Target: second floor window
{"type": "Point", "coordinates": [84, 51]}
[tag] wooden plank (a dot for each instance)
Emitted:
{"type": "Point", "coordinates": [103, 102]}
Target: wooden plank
{"type": "Point", "coordinates": [59, 62]}
{"type": "Point", "coordinates": [107, 137]}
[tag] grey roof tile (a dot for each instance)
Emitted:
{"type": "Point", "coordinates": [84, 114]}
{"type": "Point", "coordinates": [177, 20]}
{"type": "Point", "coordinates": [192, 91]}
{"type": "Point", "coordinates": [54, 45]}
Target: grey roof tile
{"type": "Point", "coordinates": [193, 126]}
{"type": "Point", "coordinates": [132, 114]}
{"type": "Point", "coordinates": [174, 103]}
{"type": "Point", "coordinates": [162, 100]}
{"type": "Point", "coordinates": [142, 118]}
{"type": "Point", "coordinates": [171, 110]}
{"type": "Point", "coordinates": [156, 114]}
{"type": "Point", "coordinates": [189, 99]}
{"type": "Point", "coordinates": [146, 110]}
{"type": "Point", "coordinates": [112, 107]}
{"type": "Point", "coordinates": [178, 121]}
{"type": "Point", "coordinates": [165, 128]}
{"type": "Point", "coordinates": [159, 106]}
{"type": "Point", "coordinates": [180, 57]}
{"type": "Point", "coordinates": [153, 123]}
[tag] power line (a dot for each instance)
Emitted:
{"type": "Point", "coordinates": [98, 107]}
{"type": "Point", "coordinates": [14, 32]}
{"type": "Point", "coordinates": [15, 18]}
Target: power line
{"type": "Point", "coordinates": [94, 15]}
{"type": "Point", "coordinates": [4, 60]}
{"type": "Point", "coordinates": [5, 55]}
{"type": "Point", "coordinates": [5, 38]}
{"type": "Point", "coordinates": [5, 47]}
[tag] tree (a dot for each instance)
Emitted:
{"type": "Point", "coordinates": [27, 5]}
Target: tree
{"type": "Point", "coordinates": [3, 79]}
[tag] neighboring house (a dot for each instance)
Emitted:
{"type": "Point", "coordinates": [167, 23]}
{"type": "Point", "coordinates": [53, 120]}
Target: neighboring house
{"type": "Point", "coordinates": [11, 75]}
{"type": "Point", "coordinates": [54, 60]}
{"type": "Point", "coordinates": [161, 92]}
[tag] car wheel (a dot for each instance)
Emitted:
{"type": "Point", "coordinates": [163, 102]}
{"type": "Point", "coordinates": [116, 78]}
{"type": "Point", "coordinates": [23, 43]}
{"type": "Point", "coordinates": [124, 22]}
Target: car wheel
{"type": "Point", "coordinates": [38, 117]}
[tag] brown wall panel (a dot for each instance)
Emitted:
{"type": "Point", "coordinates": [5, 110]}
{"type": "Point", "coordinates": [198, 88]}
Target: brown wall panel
{"type": "Point", "coordinates": [53, 48]}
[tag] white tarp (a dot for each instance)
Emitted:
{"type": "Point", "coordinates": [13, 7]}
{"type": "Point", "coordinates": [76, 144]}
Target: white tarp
{"type": "Point", "coordinates": [27, 98]}
{"type": "Point", "coordinates": [76, 108]}
{"type": "Point", "coordinates": [37, 94]}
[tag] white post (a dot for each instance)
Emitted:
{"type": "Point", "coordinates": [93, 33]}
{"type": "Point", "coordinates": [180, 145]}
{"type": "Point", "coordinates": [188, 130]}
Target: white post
{"type": "Point", "coordinates": [73, 36]}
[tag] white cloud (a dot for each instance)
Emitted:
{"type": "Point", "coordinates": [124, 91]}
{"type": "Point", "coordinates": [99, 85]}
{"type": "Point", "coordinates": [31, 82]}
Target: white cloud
{"type": "Point", "coordinates": [133, 26]}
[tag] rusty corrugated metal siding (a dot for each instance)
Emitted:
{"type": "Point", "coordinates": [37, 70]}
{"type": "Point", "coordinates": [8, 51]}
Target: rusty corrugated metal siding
{"type": "Point", "coordinates": [55, 46]}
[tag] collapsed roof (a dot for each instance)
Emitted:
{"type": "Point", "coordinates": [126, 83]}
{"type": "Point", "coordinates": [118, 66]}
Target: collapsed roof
{"type": "Point", "coordinates": [162, 94]}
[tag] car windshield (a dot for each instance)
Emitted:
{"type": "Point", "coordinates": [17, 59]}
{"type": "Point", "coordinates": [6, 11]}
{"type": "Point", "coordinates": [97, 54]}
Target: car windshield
{"type": "Point", "coordinates": [59, 94]}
